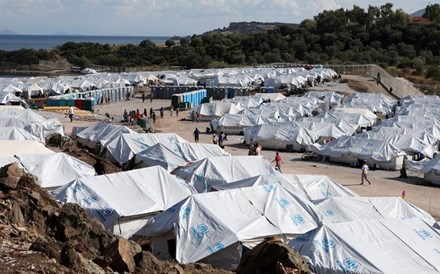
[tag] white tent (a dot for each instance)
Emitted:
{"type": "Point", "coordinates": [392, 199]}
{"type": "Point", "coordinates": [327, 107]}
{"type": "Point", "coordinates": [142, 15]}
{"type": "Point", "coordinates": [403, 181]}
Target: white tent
{"type": "Point", "coordinates": [351, 149]}
{"type": "Point", "coordinates": [431, 170]}
{"type": "Point", "coordinates": [55, 169]}
{"type": "Point", "coordinates": [286, 136]}
{"type": "Point", "coordinates": [349, 209]}
{"type": "Point", "coordinates": [14, 147]}
{"type": "Point", "coordinates": [15, 133]}
{"type": "Point", "coordinates": [312, 187]}
{"type": "Point", "coordinates": [123, 147]}
{"type": "Point", "coordinates": [372, 246]}
{"type": "Point", "coordinates": [159, 155]}
{"type": "Point", "coordinates": [213, 227]}
{"type": "Point", "coordinates": [124, 201]}
{"type": "Point", "coordinates": [212, 171]}
{"type": "Point", "coordinates": [101, 133]}
{"type": "Point", "coordinates": [363, 111]}
{"type": "Point", "coordinates": [209, 111]}
{"type": "Point", "coordinates": [409, 144]}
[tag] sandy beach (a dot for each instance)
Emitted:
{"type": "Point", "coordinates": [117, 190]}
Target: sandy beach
{"type": "Point", "coordinates": [384, 183]}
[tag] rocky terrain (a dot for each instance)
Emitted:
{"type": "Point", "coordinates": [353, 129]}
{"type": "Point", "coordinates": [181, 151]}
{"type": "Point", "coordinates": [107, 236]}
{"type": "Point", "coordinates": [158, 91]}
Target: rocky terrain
{"type": "Point", "coordinates": [39, 235]}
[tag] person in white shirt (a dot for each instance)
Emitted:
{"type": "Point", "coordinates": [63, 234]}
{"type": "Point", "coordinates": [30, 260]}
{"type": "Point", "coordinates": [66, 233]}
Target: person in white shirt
{"type": "Point", "coordinates": [71, 113]}
{"type": "Point", "coordinates": [365, 170]}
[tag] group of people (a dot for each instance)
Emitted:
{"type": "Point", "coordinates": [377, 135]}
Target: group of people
{"type": "Point", "coordinates": [256, 148]}
{"type": "Point", "coordinates": [135, 115]}
{"type": "Point", "coordinates": [195, 116]}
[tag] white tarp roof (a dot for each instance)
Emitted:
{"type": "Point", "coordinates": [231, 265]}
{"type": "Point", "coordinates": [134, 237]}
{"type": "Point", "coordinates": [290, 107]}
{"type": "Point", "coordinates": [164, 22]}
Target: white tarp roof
{"type": "Point", "coordinates": [207, 223]}
{"type": "Point", "coordinates": [216, 110]}
{"type": "Point", "coordinates": [283, 133]}
{"type": "Point", "coordinates": [313, 187]}
{"type": "Point", "coordinates": [159, 155]}
{"type": "Point", "coordinates": [123, 147]}
{"type": "Point", "coordinates": [14, 147]}
{"type": "Point", "coordinates": [15, 133]}
{"type": "Point", "coordinates": [359, 147]}
{"type": "Point", "coordinates": [101, 133]}
{"type": "Point", "coordinates": [348, 209]}
{"type": "Point", "coordinates": [352, 118]}
{"type": "Point", "coordinates": [124, 194]}
{"type": "Point", "coordinates": [375, 102]}
{"type": "Point", "coordinates": [55, 169]}
{"type": "Point", "coordinates": [405, 143]}
{"type": "Point", "coordinates": [212, 171]}
{"type": "Point", "coordinates": [372, 246]}
{"type": "Point", "coordinates": [363, 111]}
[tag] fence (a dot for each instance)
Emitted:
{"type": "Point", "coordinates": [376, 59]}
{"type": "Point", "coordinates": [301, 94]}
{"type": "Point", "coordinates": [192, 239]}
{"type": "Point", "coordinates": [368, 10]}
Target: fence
{"type": "Point", "coordinates": [395, 86]}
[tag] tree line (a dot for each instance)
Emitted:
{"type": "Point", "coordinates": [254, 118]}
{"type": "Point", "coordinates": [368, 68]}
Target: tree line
{"type": "Point", "coordinates": [378, 35]}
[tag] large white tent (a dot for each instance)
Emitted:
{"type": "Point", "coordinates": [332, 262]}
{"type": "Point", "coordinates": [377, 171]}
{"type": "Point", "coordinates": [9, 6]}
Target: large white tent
{"type": "Point", "coordinates": [212, 171]}
{"type": "Point", "coordinates": [55, 169]}
{"type": "Point", "coordinates": [16, 133]}
{"type": "Point", "coordinates": [312, 187]}
{"type": "Point", "coordinates": [124, 146]}
{"type": "Point", "coordinates": [100, 133]}
{"type": "Point", "coordinates": [11, 148]}
{"type": "Point", "coordinates": [209, 111]}
{"type": "Point", "coordinates": [377, 153]}
{"type": "Point", "coordinates": [124, 201]}
{"type": "Point", "coordinates": [213, 227]}
{"type": "Point", "coordinates": [372, 246]}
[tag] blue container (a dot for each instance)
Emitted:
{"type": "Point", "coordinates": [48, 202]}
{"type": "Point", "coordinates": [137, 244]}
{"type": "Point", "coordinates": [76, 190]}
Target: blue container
{"type": "Point", "coordinates": [269, 89]}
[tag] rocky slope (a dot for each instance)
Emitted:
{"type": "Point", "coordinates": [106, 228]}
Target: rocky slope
{"type": "Point", "coordinates": [38, 235]}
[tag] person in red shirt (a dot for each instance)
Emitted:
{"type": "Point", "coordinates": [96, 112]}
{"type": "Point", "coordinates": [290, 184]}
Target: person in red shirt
{"type": "Point", "coordinates": [278, 161]}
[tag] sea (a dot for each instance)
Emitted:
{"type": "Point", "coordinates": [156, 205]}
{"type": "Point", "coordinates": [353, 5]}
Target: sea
{"type": "Point", "coordinates": [11, 42]}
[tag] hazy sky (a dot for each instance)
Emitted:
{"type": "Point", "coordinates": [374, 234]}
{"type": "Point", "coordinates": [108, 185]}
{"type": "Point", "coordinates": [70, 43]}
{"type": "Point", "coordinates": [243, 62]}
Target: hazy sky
{"type": "Point", "coordinates": [164, 17]}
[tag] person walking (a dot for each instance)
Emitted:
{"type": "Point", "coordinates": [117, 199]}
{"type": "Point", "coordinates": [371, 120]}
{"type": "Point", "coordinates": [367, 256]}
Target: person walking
{"type": "Point", "coordinates": [196, 135]}
{"type": "Point", "coordinates": [278, 161]}
{"type": "Point", "coordinates": [177, 112]}
{"type": "Point", "coordinates": [258, 149]}
{"type": "Point", "coordinates": [154, 117]}
{"type": "Point", "coordinates": [214, 139]}
{"type": "Point", "coordinates": [161, 112]}
{"type": "Point", "coordinates": [365, 170]}
{"type": "Point", "coordinates": [71, 111]}
{"type": "Point", "coordinates": [143, 97]}
{"type": "Point", "coordinates": [197, 117]}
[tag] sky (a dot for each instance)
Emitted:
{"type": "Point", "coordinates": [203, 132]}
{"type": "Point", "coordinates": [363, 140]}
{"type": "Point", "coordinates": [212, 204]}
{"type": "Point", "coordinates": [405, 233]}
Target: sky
{"type": "Point", "coordinates": [164, 17]}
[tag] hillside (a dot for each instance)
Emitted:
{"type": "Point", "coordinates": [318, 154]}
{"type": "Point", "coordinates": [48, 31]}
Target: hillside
{"type": "Point", "coordinates": [249, 27]}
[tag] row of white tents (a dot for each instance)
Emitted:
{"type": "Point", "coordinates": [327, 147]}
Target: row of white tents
{"type": "Point", "coordinates": [252, 201]}
{"type": "Point", "coordinates": [242, 77]}
{"type": "Point", "coordinates": [311, 121]}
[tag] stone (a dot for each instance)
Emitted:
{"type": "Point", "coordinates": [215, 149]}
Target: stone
{"type": "Point", "coordinates": [9, 183]}
{"type": "Point", "coordinates": [11, 170]}
{"type": "Point", "coordinates": [35, 196]}
{"type": "Point", "coordinates": [15, 215]}
{"type": "Point", "coordinates": [77, 262]}
{"type": "Point", "coordinates": [119, 254]}
{"type": "Point", "coordinates": [265, 257]}
{"type": "Point", "coordinates": [51, 249]}
{"type": "Point", "coordinates": [147, 261]}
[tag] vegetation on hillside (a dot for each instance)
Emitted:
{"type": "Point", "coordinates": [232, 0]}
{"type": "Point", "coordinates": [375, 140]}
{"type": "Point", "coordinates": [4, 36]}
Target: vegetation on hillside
{"type": "Point", "coordinates": [378, 35]}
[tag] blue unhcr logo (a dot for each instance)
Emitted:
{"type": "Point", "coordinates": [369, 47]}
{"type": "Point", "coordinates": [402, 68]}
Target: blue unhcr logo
{"type": "Point", "coordinates": [91, 199]}
{"type": "Point", "coordinates": [77, 186]}
{"type": "Point", "coordinates": [326, 244]}
{"type": "Point", "coordinates": [328, 213]}
{"type": "Point", "coordinates": [283, 202]}
{"type": "Point", "coordinates": [298, 219]}
{"type": "Point", "coordinates": [348, 265]}
{"type": "Point", "coordinates": [424, 234]}
{"type": "Point", "coordinates": [186, 211]}
{"type": "Point", "coordinates": [104, 213]}
{"type": "Point", "coordinates": [199, 231]}
{"type": "Point", "coordinates": [216, 247]}
{"type": "Point", "coordinates": [270, 188]}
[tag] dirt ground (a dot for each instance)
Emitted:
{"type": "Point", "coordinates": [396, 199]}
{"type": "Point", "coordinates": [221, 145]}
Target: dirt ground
{"type": "Point", "coordinates": [384, 183]}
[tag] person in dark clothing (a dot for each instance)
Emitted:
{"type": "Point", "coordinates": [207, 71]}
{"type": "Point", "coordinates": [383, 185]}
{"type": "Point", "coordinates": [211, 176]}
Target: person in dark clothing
{"type": "Point", "coordinates": [99, 167]}
{"type": "Point", "coordinates": [143, 97]}
{"type": "Point", "coordinates": [154, 117]}
{"type": "Point", "coordinates": [151, 111]}
{"type": "Point", "coordinates": [161, 112]}
{"type": "Point", "coordinates": [196, 135]}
